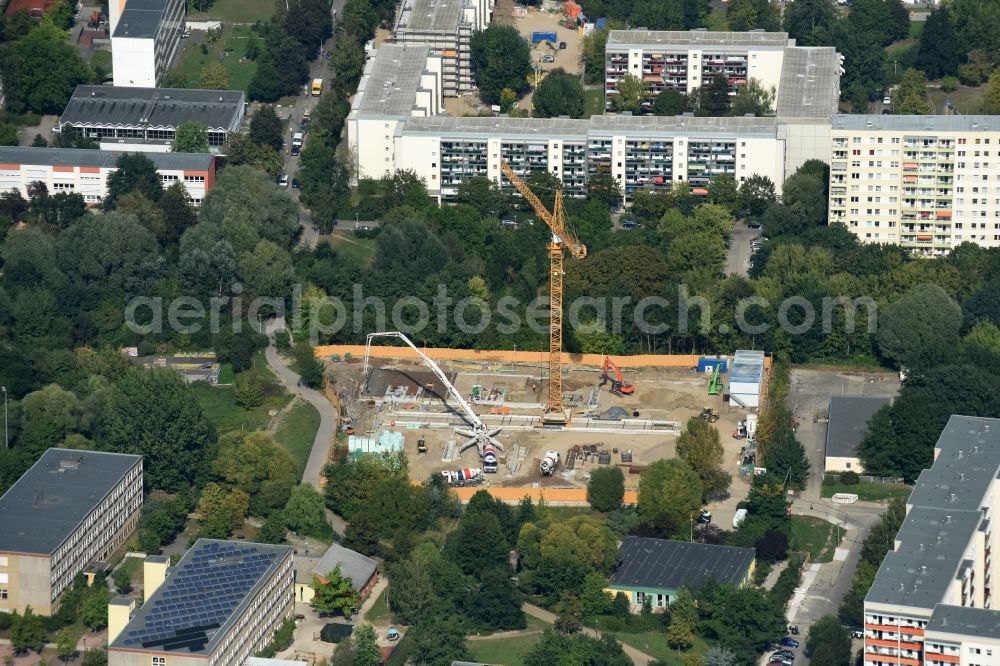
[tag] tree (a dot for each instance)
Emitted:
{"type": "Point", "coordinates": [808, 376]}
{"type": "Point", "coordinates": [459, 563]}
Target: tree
{"type": "Point", "coordinates": [265, 127]}
{"type": "Point", "coordinates": [222, 510]}
{"type": "Point", "coordinates": [723, 191]}
{"type": "Point", "coordinates": [274, 529]}
{"type": "Point", "coordinates": [772, 546]}
{"type": "Point", "coordinates": [267, 271]}
{"type": "Point", "coordinates": [254, 463]}
{"type": "Point", "coordinates": [133, 172]}
{"type": "Point", "coordinates": [606, 488]}
{"type": "Point", "coordinates": [606, 189]}
{"type": "Point", "coordinates": [501, 58]}
{"type": "Point", "coordinates": [910, 96]}
{"type": "Point", "coordinates": [940, 51]}
{"type": "Point", "coordinates": [680, 635]}
{"type": "Point", "coordinates": [669, 103]}
{"type": "Point", "coordinates": [248, 390]}
{"type": "Point", "coordinates": [756, 194]}
{"type": "Point", "coordinates": [699, 445]}
{"type": "Point", "coordinates": [46, 69]}
{"type": "Point", "coordinates": [498, 601]}
{"type": "Point", "coordinates": [745, 15]}
{"type": "Point", "coordinates": [39, 142]}
{"type": "Point", "coordinates": [743, 620]}
{"type": "Point", "coordinates": [239, 149]}
{"type": "Point", "coordinates": [305, 512]}
{"type": "Point", "coordinates": [94, 657]}
{"type": "Point", "coordinates": [362, 534]}
{"type": "Point", "coordinates": [713, 98]}
{"type": "Point", "coordinates": [991, 104]}
{"type": "Point", "coordinates": [629, 95]}
{"type": "Point", "coordinates": [559, 94]}
{"type": "Point", "coordinates": [783, 453]}
{"type": "Point", "coordinates": [48, 416]}
{"type": "Point", "coordinates": [439, 638]}
{"type": "Point", "coordinates": [594, 46]}
{"type": "Point", "coordinates": [191, 137]}
{"type": "Point", "coordinates": [366, 649]}
{"type": "Point", "coordinates": [94, 610]}
{"type": "Point", "coordinates": [478, 543]}
{"type": "Point", "coordinates": [594, 599]}
{"type": "Point", "coordinates": [828, 642]}
{"type": "Point", "coordinates": [310, 369]}
{"type": "Point", "coordinates": [213, 77]}
{"type": "Point", "coordinates": [754, 99]}
{"type": "Point", "coordinates": [807, 20]}
{"type": "Point", "coordinates": [921, 329]}
{"type": "Point", "coordinates": [27, 632]}
{"type": "Point", "coordinates": [719, 656]}
{"type": "Point", "coordinates": [569, 614]}
{"type": "Point", "coordinates": [66, 644]}
{"type": "Point", "coordinates": [334, 594]}
{"type": "Point", "coordinates": [123, 581]}
{"type": "Point", "coordinates": [575, 649]}
{"type": "Point", "coordinates": [178, 213]}
{"type": "Point", "coordinates": [669, 495]}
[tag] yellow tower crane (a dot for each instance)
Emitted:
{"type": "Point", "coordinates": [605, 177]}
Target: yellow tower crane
{"type": "Point", "coordinates": [555, 410]}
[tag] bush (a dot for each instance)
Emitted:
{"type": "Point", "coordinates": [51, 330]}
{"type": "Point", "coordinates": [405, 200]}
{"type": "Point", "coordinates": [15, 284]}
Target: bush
{"type": "Point", "coordinates": [761, 571]}
{"type": "Point", "coordinates": [282, 339]}
{"type": "Point", "coordinates": [949, 83]}
{"type": "Point", "coordinates": [789, 579]}
{"type": "Point", "coordinates": [850, 478]}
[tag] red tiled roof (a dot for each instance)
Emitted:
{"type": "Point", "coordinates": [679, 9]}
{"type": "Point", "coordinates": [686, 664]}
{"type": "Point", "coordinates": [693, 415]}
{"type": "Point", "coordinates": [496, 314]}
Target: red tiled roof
{"type": "Point", "coordinates": [34, 8]}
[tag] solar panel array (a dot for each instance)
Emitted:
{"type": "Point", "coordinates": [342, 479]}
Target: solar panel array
{"type": "Point", "coordinates": [200, 596]}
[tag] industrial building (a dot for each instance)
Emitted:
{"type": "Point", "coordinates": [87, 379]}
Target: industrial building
{"type": "Point", "coordinates": [146, 119]}
{"type": "Point", "coordinates": [846, 427]}
{"type": "Point", "coordinates": [657, 569]}
{"type": "Point", "coordinates": [746, 378]}
{"type": "Point", "coordinates": [362, 570]}
{"type": "Point", "coordinates": [401, 81]}
{"type": "Point", "coordinates": [85, 172]}
{"type": "Point", "coordinates": [70, 510]}
{"type": "Point", "coordinates": [446, 26]}
{"type": "Point", "coordinates": [926, 183]}
{"type": "Point", "coordinates": [145, 37]}
{"type": "Point", "coordinates": [932, 601]}
{"type": "Point", "coordinates": [220, 604]}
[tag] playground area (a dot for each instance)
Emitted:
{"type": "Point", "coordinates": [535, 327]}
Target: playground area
{"type": "Point", "coordinates": [399, 393]}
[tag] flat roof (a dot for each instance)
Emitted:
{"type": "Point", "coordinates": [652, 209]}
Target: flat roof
{"type": "Point", "coordinates": [968, 458]}
{"type": "Point", "coordinates": [105, 159]}
{"type": "Point", "coordinates": [140, 19]}
{"type": "Point", "coordinates": [848, 423]}
{"type": "Point", "coordinates": [391, 79]}
{"type": "Point", "coordinates": [219, 110]}
{"type": "Point", "coordinates": [353, 565]}
{"type": "Point", "coordinates": [810, 83]}
{"type": "Point", "coordinates": [916, 124]}
{"type": "Point", "coordinates": [685, 124]}
{"type": "Point", "coordinates": [697, 38]}
{"type": "Point", "coordinates": [965, 621]}
{"type": "Point", "coordinates": [55, 495]}
{"type": "Point", "coordinates": [195, 607]}
{"type": "Point", "coordinates": [430, 15]}
{"type": "Point", "coordinates": [543, 128]}
{"type": "Point", "coordinates": [664, 564]}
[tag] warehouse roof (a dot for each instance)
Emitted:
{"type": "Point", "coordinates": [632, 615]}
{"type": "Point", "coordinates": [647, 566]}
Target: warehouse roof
{"type": "Point", "coordinates": [664, 564]}
{"type": "Point", "coordinates": [353, 565]}
{"type": "Point", "coordinates": [430, 15]}
{"type": "Point", "coordinates": [102, 106]}
{"type": "Point", "coordinates": [140, 19]}
{"type": "Point", "coordinates": [965, 621]}
{"type": "Point", "coordinates": [52, 498]}
{"type": "Point", "coordinates": [699, 38]}
{"type": "Point", "coordinates": [195, 607]}
{"type": "Point", "coordinates": [916, 123]}
{"type": "Point", "coordinates": [391, 79]}
{"type": "Point", "coordinates": [100, 158]}
{"type": "Point", "coordinates": [848, 423]}
{"type": "Point", "coordinates": [810, 83]}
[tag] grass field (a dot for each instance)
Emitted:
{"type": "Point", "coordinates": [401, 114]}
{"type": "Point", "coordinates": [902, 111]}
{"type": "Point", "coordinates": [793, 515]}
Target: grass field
{"type": "Point", "coordinates": [229, 50]}
{"type": "Point", "coordinates": [507, 651]}
{"type": "Point", "coordinates": [101, 59]}
{"type": "Point", "coordinates": [814, 536]}
{"type": "Point", "coordinates": [654, 643]}
{"type": "Point", "coordinates": [236, 11]}
{"type": "Point", "coordinates": [297, 432]}
{"type": "Point", "coordinates": [871, 492]}
{"type": "Point", "coordinates": [379, 612]}
{"type": "Point", "coordinates": [968, 101]}
{"type": "Point", "coordinates": [221, 409]}
{"type": "Point", "coordinates": [347, 246]}
{"type": "Point", "coordinates": [226, 374]}
{"type": "Point", "coordinates": [594, 98]}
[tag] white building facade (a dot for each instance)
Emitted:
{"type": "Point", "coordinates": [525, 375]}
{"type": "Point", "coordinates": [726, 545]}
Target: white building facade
{"type": "Point", "coordinates": [145, 37]}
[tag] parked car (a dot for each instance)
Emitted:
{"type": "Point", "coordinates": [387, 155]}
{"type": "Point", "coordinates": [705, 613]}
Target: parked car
{"type": "Point", "coordinates": [857, 633]}
{"type": "Point", "coordinates": [754, 224]}
{"type": "Point", "coordinates": [295, 183]}
{"type": "Point", "coordinates": [548, 58]}
{"type": "Point", "coordinates": [788, 642]}
{"type": "Point", "coordinates": [295, 151]}
{"type": "Point", "coordinates": [705, 517]}
{"type": "Point", "coordinates": [630, 224]}
{"type": "Point", "coordinates": [785, 659]}
{"type": "Point", "coordinates": [283, 181]}
{"type": "Point", "coordinates": [508, 222]}
{"type": "Point", "coordinates": [562, 46]}
{"type": "Point", "coordinates": [887, 100]}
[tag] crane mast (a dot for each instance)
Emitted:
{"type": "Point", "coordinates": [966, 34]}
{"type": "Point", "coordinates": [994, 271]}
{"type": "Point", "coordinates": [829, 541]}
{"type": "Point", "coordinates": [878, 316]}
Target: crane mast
{"type": "Point", "coordinates": [555, 409]}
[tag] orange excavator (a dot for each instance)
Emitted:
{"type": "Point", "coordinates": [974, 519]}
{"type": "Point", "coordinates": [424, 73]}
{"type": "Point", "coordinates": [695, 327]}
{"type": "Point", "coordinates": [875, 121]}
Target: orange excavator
{"type": "Point", "coordinates": [611, 373]}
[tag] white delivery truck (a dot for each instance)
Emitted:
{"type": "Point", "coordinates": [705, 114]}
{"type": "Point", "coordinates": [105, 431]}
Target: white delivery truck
{"type": "Point", "coordinates": [739, 517]}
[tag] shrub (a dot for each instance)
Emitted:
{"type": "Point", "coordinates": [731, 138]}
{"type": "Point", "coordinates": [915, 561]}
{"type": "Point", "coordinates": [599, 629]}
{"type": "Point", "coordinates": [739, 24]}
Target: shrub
{"type": "Point", "coordinates": [850, 478]}
{"type": "Point", "coordinates": [282, 339]}
{"type": "Point", "coordinates": [949, 83]}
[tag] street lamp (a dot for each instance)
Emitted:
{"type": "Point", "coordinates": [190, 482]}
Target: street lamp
{"type": "Point", "coordinates": [6, 441]}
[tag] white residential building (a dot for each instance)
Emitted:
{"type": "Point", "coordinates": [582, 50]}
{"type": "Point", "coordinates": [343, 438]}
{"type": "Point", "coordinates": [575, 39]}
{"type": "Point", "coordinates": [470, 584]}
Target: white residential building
{"type": "Point", "coordinates": [145, 37]}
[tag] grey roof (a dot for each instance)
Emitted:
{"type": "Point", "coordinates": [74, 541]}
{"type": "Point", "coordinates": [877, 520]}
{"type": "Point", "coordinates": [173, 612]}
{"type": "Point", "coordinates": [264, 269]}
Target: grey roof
{"type": "Point", "coordinates": [686, 124]}
{"type": "Point", "coordinates": [51, 499]}
{"type": "Point", "coordinates": [620, 39]}
{"type": "Point", "coordinates": [140, 18]}
{"type": "Point", "coordinates": [747, 367]}
{"type": "Point", "coordinates": [544, 128]}
{"type": "Point", "coordinates": [848, 423]}
{"type": "Point", "coordinates": [389, 85]}
{"type": "Point", "coordinates": [218, 110]}
{"type": "Point", "coordinates": [917, 123]}
{"type": "Point", "coordinates": [430, 15]}
{"type": "Point", "coordinates": [100, 158]}
{"type": "Point", "coordinates": [967, 462]}
{"type": "Point", "coordinates": [810, 83]}
{"type": "Point", "coordinates": [964, 621]}
{"type": "Point", "coordinates": [192, 611]}
{"type": "Point", "coordinates": [353, 565]}
{"type": "Point", "coordinates": [663, 564]}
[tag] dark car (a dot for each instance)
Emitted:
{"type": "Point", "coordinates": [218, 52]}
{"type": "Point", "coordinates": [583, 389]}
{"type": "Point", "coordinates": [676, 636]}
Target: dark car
{"type": "Point", "coordinates": [562, 45]}
{"type": "Point", "coordinates": [754, 224]}
{"type": "Point", "coordinates": [630, 224]}
{"type": "Point", "coordinates": [788, 642]}
{"type": "Point", "coordinates": [295, 183]}
{"type": "Point", "coordinates": [705, 517]}
{"type": "Point", "coordinates": [295, 150]}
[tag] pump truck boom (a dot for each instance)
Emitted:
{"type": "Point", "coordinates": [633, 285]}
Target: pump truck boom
{"type": "Point", "coordinates": [480, 435]}
{"type": "Point", "coordinates": [612, 373]}
{"type": "Point", "coordinates": [555, 410]}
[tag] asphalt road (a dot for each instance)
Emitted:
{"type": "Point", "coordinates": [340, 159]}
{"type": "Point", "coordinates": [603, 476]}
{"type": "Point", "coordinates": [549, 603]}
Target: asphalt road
{"type": "Point", "coordinates": [738, 254]}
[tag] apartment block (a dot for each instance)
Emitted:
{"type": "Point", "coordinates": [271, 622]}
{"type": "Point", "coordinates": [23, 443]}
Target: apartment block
{"type": "Point", "coordinates": [85, 172]}
{"type": "Point", "coordinates": [926, 183]}
{"type": "Point", "coordinates": [71, 509]}
{"type": "Point", "coordinates": [932, 600]}
{"type": "Point", "coordinates": [446, 26]}
{"type": "Point", "coordinates": [145, 39]}
{"type": "Point", "coordinates": [146, 119]}
{"type": "Point", "coordinates": [641, 153]}
{"type": "Point", "coordinates": [219, 606]}
{"type": "Point", "coordinates": [401, 81]}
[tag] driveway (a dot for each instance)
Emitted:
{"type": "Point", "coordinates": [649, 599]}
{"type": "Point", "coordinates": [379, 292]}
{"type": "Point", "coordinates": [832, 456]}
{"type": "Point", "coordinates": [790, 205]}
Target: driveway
{"type": "Point", "coordinates": [738, 255]}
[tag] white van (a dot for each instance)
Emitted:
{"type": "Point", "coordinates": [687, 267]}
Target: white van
{"type": "Point", "coordinates": [739, 517]}
{"type": "Point", "coordinates": [297, 139]}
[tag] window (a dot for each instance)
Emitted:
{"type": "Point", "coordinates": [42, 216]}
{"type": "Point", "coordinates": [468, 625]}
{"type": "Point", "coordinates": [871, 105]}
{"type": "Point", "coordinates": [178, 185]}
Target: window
{"type": "Point", "coordinates": [3, 561]}
{"type": "Point", "coordinates": [159, 661]}
{"type": "Point", "coordinates": [3, 593]}
{"type": "Point", "coordinates": [3, 578]}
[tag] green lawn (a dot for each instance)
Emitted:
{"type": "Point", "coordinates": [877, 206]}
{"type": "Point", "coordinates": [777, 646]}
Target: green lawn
{"type": "Point", "coordinates": [221, 409]}
{"type": "Point", "coordinates": [236, 11]}
{"type": "Point", "coordinates": [871, 492]}
{"type": "Point", "coordinates": [594, 98]}
{"type": "Point", "coordinates": [717, 20]}
{"type": "Point", "coordinates": [379, 612]}
{"type": "Point", "coordinates": [968, 101]}
{"type": "Point", "coordinates": [226, 374]}
{"type": "Point", "coordinates": [101, 59]}
{"type": "Point", "coordinates": [814, 536]}
{"type": "Point", "coordinates": [503, 651]}
{"type": "Point", "coordinates": [361, 250]}
{"type": "Point", "coordinates": [654, 642]}
{"type": "Point", "coordinates": [297, 432]}
{"type": "Point", "coordinates": [229, 50]}
{"type": "Point", "coordinates": [916, 29]}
